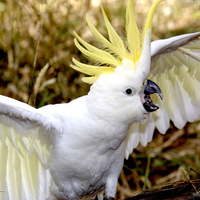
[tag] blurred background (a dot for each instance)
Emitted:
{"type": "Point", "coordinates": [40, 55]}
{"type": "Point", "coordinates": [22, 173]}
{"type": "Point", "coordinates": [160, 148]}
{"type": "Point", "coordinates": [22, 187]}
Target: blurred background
{"type": "Point", "coordinates": [36, 49]}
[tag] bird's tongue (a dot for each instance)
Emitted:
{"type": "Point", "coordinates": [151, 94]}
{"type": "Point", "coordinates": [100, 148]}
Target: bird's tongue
{"type": "Point", "coordinates": [149, 89]}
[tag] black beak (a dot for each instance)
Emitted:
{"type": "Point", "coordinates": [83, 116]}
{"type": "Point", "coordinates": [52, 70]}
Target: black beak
{"type": "Point", "coordinates": [149, 89]}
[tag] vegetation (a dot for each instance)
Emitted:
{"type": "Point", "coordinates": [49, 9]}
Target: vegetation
{"type": "Point", "coordinates": [36, 49]}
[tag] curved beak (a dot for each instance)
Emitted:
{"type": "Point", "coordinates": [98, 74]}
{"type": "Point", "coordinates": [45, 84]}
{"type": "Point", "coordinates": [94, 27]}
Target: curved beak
{"type": "Point", "coordinates": [149, 89]}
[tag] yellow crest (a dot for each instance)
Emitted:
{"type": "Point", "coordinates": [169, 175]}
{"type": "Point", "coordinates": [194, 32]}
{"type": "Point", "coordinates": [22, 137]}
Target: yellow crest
{"type": "Point", "coordinates": [113, 50]}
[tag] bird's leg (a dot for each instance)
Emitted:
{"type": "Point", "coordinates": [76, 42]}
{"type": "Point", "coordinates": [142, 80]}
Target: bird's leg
{"type": "Point", "coordinates": [108, 198]}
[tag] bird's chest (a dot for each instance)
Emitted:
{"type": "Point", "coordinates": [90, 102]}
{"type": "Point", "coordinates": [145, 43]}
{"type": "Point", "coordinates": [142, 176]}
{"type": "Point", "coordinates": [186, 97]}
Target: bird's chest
{"type": "Point", "coordinates": [83, 167]}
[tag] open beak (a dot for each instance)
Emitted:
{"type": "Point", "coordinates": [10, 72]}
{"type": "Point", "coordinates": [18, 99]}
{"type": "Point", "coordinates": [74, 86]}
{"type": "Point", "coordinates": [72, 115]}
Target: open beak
{"type": "Point", "coordinates": [149, 89]}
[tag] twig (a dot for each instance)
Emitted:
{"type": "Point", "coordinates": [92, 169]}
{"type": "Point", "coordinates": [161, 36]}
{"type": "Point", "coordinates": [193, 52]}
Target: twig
{"type": "Point", "coordinates": [170, 141]}
{"type": "Point", "coordinates": [36, 53]}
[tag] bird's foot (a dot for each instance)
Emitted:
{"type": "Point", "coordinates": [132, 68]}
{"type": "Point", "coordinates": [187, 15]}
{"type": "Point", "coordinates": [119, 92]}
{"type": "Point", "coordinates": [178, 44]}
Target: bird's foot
{"type": "Point", "coordinates": [108, 198]}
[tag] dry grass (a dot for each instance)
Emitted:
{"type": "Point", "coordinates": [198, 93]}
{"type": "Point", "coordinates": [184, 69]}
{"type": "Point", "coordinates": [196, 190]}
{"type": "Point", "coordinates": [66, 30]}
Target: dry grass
{"type": "Point", "coordinates": [166, 160]}
{"type": "Point", "coordinates": [37, 33]}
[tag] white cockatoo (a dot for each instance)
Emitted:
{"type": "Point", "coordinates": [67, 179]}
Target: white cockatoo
{"type": "Point", "coordinates": [76, 150]}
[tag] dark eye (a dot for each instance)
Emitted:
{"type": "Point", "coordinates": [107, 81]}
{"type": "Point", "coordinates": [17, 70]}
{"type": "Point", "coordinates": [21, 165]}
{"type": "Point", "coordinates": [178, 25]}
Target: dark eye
{"type": "Point", "coordinates": [129, 91]}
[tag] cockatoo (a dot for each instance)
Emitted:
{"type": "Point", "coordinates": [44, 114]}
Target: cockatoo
{"type": "Point", "coordinates": [76, 150]}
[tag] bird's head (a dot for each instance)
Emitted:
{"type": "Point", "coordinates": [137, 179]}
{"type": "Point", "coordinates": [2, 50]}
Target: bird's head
{"type": "Point", "coordinates": [120, 78]}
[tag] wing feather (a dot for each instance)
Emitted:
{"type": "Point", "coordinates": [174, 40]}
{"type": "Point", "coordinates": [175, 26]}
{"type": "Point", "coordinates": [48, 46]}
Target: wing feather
{"type": "Point", "coordinates": [175, 67]}
{"type": "Point", "coordinates": [24, 151]}
{"type": "Point", "coordinates": [160, 117]}
{"type": "Point", "coordinates": [139, 133]}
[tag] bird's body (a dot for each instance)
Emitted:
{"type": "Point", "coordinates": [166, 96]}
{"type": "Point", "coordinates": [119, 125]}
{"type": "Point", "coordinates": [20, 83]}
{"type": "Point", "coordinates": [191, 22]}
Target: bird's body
{"type": "Point", "coordinates": [76, 150]}
{"type": "Point", "coordinates": [87, 139]}
{"type": "Point", "coordinates": [82, 161]}
{"type": "Point", "coordinates": [89, 146]}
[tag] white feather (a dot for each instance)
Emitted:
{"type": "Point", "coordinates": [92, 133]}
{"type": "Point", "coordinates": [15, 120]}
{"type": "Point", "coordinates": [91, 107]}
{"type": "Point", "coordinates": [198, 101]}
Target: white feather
{"type": "Point", "coordinates": [175, 67]}
{"type": "Point", "coordinates": [23, 158]}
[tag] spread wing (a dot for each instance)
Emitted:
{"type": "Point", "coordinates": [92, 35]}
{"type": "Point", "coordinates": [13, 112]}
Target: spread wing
{"type": "Point", "coordinates": [24, 151]}
{"type": "Point", "coordinates": [175, 67]}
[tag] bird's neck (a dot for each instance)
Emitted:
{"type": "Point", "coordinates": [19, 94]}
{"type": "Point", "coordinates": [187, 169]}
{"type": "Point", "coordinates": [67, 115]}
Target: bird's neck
{"type": "Point", "coordinates": [111, 132]}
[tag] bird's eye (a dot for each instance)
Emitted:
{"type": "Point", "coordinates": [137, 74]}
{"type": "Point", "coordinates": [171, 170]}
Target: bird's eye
{"type": "Point", "coordinates": [129, 91]}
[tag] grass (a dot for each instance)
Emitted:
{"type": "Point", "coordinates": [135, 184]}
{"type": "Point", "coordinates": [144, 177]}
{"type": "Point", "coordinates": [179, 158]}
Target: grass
{"type": "Point", "coordinates": [38, 35]}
